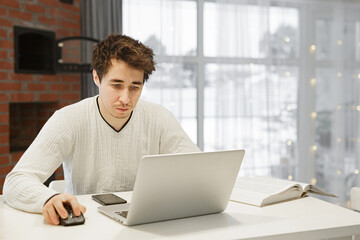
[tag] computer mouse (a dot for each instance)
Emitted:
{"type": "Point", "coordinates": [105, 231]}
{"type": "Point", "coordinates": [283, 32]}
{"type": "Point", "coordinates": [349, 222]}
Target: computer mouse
{"type": "Point", "coordinates": [71, 219]}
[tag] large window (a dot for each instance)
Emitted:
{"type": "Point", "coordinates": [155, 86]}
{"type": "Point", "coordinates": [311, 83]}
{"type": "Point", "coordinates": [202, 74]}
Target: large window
{"type": "Point", "coordinates": [277, 78]}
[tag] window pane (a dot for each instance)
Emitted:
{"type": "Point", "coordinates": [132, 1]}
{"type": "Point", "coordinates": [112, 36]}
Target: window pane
{"type": "Point", "coordinates": [247, 108]}
{"type": "Point", "coordinates": [284, 32]}
{"type": "Point", "coordinates": [174, 87]}
{"type": "Point", "coordinates": [227, 32]}
{"type": "Point", "coordinates": [323, 32]}
{"type": "Point", "coordinates": [168, 27]}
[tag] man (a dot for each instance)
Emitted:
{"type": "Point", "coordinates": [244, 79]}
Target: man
{"type": "Point", "coordinates": [99, 140]}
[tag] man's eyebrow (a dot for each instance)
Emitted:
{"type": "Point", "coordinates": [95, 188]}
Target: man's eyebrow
{"type": "Point", "coordinates": [122, 81]}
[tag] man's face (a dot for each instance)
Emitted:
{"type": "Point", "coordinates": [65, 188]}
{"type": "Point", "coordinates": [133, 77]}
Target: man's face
{"type": "Point", "coordinates": [119, 91]}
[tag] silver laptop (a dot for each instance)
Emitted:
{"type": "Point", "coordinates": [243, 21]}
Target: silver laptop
{"type": "Point", "coordinates": [176, 186]}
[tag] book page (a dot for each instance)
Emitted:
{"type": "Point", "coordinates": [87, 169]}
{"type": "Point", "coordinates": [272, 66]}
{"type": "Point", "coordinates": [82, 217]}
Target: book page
{"type": "Point", "coordinates": [254, 190]}
{"type": "Point", "coordinates": [313, 189]}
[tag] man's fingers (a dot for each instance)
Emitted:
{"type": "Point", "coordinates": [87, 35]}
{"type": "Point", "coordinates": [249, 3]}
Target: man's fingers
{"type": "Point", "coordinates": [60, 209]}
{"type": "Point", "coordinates": [75, 205]}
{"type": "Point", "coordinates": [82, 209]}
{"type": "Point", "coordinates": [46, 216]}
{"type": "Point", "coordinates": [53, 216]}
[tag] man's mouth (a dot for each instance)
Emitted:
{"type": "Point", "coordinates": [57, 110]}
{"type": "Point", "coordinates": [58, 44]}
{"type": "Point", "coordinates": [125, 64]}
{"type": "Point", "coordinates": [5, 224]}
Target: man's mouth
{"type": "Point", "coordinates": [122, 109]}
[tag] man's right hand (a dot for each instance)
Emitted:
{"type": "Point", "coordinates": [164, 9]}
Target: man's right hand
{"type": "Point", "coordinates": [56, 205]}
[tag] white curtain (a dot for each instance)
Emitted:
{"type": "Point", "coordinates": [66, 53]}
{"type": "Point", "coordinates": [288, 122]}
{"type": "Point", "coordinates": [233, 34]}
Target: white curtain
{"type": "Point", "coordinates": [277, 78]}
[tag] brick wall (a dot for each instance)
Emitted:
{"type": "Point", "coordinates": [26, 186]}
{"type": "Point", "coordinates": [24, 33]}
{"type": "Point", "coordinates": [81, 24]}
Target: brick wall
{"type": "Point", "coordinates": [60, 89]}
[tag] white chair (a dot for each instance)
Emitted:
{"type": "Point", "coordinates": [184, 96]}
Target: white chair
{"type": "Point", "coordinates": [58, 185]}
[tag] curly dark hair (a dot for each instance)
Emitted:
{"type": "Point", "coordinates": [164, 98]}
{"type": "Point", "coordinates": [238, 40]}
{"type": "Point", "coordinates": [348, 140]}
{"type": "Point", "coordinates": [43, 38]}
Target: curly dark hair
{"type": "Point", "coordinates": [125, 48]}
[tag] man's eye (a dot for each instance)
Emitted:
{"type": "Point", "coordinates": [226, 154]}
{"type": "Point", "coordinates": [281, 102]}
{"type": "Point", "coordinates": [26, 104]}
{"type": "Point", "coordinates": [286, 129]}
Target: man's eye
{"type": "Point", "coordinates": [134, 87]}
{"type": "Point", "coordinates": [116, 85]}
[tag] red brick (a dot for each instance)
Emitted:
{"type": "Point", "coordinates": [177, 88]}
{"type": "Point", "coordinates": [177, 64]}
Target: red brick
{"type": "Point", "coordinates": [15, 157]}
{"type": "Point", "coordinates": [3, 54]}
{"type": "Point", "coordinates": [2, 11]}
{"type": "Point", "coordinates": [3, 76]}
{"type": "Point", "coordinates": [49, 97]}
{"type": "Point", "coordinates": [4, 159]}
{"type": "Point", "coordinates": [6, 44]}
{"type": "Point", "coordinates": [76, 17]}
{"type": "Point", "coordinates": [36, 86]}
{"type": "Point", "coordinates": [4, 118]}
{"type": "Point", "coordinates": [3, 97]}
{"type": "Point", "coordinates": [70, 25]}
{"type": "Point", "coordinates": [71, 96]}
{"type": "Point", "coordinates": [4, 128]}
{"type": "Point", "coordinates": [4, 138]}
{"type": "Point", "coordinates": [75, 87]}
{"type": "Point", "coordinates": [5, 170]}
{"type": "Point", "coordinates": [21, 77]}
{"type": "Point", "coordinates": [71, 7]}
{"type": "Point", "coordinates": [10, 3]}
{"type": "Point", "coordinates": [49, 21]}
{"type": "Point", "coordinates": [11, 86]}
{"type": "Point", "coordinates": [4, 149]}
{"type": "Point", "coordinates": [35, 8]}
{"type": "Point", "coordinates": [51, 3]}
{"type": "Point", "coordinates": [3, 33]}
{"type": "Point", "coordinates": [22, 97]}
{"type": "Point", "coordinates": [60, 87]}
{"type": "Point", "coordinates": [58, 13]}
{"type": "Point", "coordinates": [20, 15]}
{"type": "Point", "coordinates": [6, 65]}
{"type": "Point", "coordinates": [49, 78]}
{"type": "Point", "coordinates": [61, 33]}
{"type": "Point", "coordinates": [4, 107]}
{"type": "Point", "coordinates": [70, 78]}
{"type": "Point", "coordinates": [6, 22]}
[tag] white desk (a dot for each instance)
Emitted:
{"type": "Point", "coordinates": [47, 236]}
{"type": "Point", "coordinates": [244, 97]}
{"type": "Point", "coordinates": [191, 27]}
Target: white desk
{"type": "Point", "coordinates": [307, 218]}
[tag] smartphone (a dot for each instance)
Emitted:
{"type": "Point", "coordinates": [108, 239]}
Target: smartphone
{"type": "Point", "coordinates": [108, 199]}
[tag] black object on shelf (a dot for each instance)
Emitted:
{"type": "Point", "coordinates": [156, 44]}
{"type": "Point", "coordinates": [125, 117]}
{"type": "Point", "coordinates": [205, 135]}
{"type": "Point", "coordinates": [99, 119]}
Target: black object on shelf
{"type": "Point", "coordinates": [34, 50]}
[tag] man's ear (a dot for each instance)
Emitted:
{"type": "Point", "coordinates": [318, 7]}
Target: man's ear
{"type": "Point", "coordinates": [96, 78]}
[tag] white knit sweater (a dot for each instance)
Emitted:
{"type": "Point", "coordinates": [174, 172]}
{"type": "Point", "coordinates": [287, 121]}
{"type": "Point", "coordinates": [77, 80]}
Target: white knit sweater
{"type": "Point", "coordinates": [95, 157]}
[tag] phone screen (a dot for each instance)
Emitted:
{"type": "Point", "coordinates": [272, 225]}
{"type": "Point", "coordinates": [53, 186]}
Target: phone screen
{"type": "Point", "coordinates": [108, 199]}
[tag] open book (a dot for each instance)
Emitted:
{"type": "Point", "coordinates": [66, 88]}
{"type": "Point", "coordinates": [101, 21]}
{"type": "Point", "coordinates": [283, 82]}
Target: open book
{"type": "Point", "coordinates": [262, 191]}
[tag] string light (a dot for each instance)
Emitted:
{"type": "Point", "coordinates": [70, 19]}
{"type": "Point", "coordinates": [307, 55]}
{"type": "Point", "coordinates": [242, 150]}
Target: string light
{"type": "Point", "coordinates": [338, 172]}
{"type": "Point", "coordinates": [339, 140]}
{"type": "Point", "coordinates": [339, 42]}
{"type": "Point", "coordinates": [288, 108]}
{"type": "Point", "coordinates": [289, 143]}
{"type": "Point", "coordinates": [287, 39]}
{"type": "Point", "coordinates": [356, 171]}
{"type": "Point", "coordinates": [313, 81]}
{"type": "Point", "coordinates": [339, 74]}
{"type": "Point", "coordinates": [251, 64]}
{"type": "Point", "coordinates": [313, 181]}
{"type": "Point", "coordinates": [338, 107]}
{"type": "Point", "coordinates": [359, 76]}
{"type": "Point", "coordinates": [172, 103]}
{"type": "Point", "coordinates": [290, 177]}
{"type": "Point", "coordinates": [312, 48]}
{"type": "Point", "coordinates": [287, 74]}
{"type": "Point", "coordinates": [314, 148]}
{"type": "Point", "coordinates": [313, 115]}
{"type": "Point", "coordinates": [358, 108]}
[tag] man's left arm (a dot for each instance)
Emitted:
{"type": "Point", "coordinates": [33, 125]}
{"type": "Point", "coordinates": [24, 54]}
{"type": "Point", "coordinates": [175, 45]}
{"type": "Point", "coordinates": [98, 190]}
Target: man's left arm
{"type": "Point", "coordinates": [173, 138]}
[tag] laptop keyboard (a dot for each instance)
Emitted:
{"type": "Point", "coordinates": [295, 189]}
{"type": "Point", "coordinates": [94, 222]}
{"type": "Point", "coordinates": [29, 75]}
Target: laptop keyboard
{"type": "Point", "coordinates": [122, 213]}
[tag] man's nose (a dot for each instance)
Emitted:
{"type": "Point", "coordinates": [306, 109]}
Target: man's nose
{"type": "Point", "coordinates": [124, 97]}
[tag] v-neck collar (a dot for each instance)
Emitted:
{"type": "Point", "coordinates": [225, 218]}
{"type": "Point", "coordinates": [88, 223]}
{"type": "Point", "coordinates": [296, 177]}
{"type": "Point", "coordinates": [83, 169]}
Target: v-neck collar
{"type": "Point", "coordinates": [98, 107]}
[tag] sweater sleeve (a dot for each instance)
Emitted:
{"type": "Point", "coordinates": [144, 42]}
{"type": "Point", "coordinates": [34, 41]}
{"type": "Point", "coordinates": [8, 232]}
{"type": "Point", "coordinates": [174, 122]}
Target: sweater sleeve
{"type": "Point", "coordinates": [173, 137]}
{"type": "Point", "coordinates": [24, 188]}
